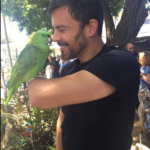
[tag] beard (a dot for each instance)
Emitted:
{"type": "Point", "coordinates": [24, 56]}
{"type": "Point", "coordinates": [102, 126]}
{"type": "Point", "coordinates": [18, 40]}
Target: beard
{"type": "Point", "coordinates": [74, 51]}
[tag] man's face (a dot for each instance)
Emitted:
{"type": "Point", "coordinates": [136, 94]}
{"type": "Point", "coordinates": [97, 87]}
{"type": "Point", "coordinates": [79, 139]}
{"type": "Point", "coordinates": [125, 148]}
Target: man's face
{"type": "Point", "coordinates": [131, 48]}
{"type": "Point", "coordinates": [68, 34]}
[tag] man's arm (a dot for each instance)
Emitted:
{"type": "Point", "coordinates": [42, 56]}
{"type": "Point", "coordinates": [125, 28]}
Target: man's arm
{"type": "Point", "coordinates": [59, 132]}
{"type": "Point", "coordinates": [146, 78]}
{"type": "Point", "coordinates": [77, 88]}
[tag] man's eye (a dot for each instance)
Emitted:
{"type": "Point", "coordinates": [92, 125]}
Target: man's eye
{"type": "Point", "coordinates": [61, 30]}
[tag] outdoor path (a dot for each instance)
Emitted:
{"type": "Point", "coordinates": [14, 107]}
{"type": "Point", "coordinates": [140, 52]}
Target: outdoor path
{"type": "Point", "coordinates": [136, 133]}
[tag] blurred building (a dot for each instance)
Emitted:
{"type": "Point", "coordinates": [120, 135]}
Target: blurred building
{"type": "Point", "coordinates": [142, 41]}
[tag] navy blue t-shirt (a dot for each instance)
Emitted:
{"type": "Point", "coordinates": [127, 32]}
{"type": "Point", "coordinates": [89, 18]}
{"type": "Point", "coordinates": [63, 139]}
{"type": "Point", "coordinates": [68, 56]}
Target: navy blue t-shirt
{"type": "Point", "coordinates": [106, 123]}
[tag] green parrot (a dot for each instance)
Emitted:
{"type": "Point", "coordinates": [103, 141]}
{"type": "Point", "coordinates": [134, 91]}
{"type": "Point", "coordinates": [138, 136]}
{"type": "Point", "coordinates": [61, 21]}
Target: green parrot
{"type": "Point", "coordinates": [30, 61]}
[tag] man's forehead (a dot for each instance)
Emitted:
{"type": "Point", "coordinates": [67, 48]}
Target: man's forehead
{"type": "Point", "coordinates": [61, 18]}
{"type": "Point", "coordinates": [61, 12]}
{"type": "Point", "coordinates": [130, 45]}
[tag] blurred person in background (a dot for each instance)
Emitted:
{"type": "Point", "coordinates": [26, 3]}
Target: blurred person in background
{"type": "Point", "coordinates": [48, 70]}
{"type": "Point", "coordinates": [130, 47]}
{"type": "Point", "coordinates": [55, 74]}
{"type": "Point", "coordinates": [144, 60]}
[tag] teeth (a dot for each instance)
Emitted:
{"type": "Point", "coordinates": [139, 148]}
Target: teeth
{"type": "Point", "coordinates": [62, 46]}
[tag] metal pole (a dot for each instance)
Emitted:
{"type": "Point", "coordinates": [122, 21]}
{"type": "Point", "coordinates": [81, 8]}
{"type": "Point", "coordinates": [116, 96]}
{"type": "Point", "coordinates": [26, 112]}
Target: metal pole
{"type": "Point", "coordinates": [10, 59]}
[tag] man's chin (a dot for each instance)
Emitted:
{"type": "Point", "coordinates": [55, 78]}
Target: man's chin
{"type": "Point", "coordinates": [65, 57]}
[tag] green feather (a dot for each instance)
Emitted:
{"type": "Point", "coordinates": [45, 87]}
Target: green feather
{"type": "Point", "coordinates": [30, 62]}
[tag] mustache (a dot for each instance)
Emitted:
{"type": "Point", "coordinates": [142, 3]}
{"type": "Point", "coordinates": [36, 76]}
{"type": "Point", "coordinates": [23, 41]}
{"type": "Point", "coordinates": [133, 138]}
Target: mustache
{"type": "Point", "coordinates": [62, 44]}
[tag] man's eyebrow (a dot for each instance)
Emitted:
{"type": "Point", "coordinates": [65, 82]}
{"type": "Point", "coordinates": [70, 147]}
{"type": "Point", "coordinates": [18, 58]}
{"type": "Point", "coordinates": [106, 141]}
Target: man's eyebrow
{"type": "Point", "coordinates": [60, 26]}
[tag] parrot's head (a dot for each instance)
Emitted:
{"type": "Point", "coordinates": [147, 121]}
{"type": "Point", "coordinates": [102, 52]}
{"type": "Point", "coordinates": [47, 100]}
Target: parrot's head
{"type": "Point", "coordinates": [40, 39]}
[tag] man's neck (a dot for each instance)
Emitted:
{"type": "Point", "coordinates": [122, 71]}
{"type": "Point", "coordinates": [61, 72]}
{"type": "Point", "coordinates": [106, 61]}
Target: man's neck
{"type": "Point", "coordinates": [92, 50]}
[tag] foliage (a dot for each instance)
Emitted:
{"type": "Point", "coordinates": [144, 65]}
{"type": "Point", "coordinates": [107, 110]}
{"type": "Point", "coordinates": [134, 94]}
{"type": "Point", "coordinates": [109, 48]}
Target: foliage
{"type": "Point", "coordinates": [116, 6]}
{"type": "Point", "coordinates": [30, 14]}
{"type": "Point", "coordinates": [20, 112]}
{"type": "Point", "coordinates": [148, 7]}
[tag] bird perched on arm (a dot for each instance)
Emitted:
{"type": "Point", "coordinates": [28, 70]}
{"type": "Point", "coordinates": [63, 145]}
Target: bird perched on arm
{"type": "Point", "coordinates": [30, 62]}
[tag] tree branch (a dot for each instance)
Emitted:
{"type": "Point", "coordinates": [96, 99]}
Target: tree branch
{"type": "Point", "coordinates": [109, 23]}
{"type": "Point", "coordinates": [132, 19]}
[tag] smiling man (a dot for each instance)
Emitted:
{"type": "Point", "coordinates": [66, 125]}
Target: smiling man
{"type": "Point", "coordinates": [96, 92]}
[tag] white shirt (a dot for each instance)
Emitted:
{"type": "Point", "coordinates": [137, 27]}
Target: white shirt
{"type": "Point", "coordinates": [48, 72]}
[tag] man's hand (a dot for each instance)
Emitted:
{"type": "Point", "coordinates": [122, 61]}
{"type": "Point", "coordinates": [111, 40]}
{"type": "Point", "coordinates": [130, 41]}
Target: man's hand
{"type": "Point", "coordinates": [28, 83]}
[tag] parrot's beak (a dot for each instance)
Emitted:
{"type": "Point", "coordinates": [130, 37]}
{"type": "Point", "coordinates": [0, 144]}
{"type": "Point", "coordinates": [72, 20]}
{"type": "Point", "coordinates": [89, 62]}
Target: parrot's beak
{"type": "Point", "coordinates": [49, 40]}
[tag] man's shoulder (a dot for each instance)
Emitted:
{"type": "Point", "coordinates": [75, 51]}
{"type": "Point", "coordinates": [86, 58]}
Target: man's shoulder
{"type": "Point", "coordinates": [115, 53]}
{"type": "Point", "coordinates": [112, 57]}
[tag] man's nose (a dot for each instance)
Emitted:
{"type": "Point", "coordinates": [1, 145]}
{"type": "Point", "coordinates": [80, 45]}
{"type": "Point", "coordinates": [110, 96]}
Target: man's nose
{"type": "Point", "coordinates": [56, 37]}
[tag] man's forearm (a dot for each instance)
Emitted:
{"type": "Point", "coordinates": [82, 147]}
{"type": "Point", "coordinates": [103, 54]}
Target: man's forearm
{"type": "Point", "coordinates": [59, 132]}
{"type": "Point", "coordinates": [59, 139]}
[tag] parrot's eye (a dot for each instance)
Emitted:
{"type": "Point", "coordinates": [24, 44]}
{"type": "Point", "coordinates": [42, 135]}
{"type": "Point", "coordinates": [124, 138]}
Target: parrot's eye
{"type": "Point", "coordinates": [43, 35]}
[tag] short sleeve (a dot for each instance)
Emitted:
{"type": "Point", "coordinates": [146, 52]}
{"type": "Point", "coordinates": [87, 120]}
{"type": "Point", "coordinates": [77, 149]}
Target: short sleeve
{"type": "Point", "coordinates": [117, 68]}
{"type": "Point", "coordinates": [147, 69]}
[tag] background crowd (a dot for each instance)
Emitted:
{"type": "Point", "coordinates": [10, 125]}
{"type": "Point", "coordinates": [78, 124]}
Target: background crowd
{"type": "Point", "coordinates": [53, 66]}
{"type": "Point", "coordinates": [144, 62]}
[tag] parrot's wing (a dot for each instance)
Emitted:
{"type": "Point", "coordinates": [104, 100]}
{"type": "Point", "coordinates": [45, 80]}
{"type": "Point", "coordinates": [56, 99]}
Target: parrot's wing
{"type": "Point", "coordinates": [27, 61]}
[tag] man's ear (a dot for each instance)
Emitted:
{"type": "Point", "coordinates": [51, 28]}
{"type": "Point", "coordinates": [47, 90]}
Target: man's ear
{"type": "Point", "coordinates": [92, 27]}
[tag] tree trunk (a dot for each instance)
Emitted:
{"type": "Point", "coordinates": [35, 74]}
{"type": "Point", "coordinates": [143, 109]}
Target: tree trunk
{"type": "Point", "coordinates": [132, 19]}
{"type": "Point", "coordinates": [109, 23]}
{"type": "Point", "coordinates": [10, 59]}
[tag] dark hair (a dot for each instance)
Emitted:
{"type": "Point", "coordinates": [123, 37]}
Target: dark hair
{"type": "Point", "coordinates": [54, 58]}
{"type": "Point", "coordinates": [51, 64]}
{"type": "Point", "coordinates": [46, 63]}
{"type": "Point", "coordinates": [82, 10]}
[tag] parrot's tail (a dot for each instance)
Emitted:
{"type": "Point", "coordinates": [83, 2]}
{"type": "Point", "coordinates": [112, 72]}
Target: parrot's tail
{"type": "Point", "coordinates": [10, 93]}
{"type": "Point", "coordinates": [7, 100]}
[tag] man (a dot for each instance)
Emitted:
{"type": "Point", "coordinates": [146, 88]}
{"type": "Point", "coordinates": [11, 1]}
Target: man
{"type": "Point", "coordinates": [97, 91]}
{"type": "Point", "coordinates": [130, 48]}
{"type": "Point", "coordinates": [55, 73]}
{"type": "Point", "coordinates": [57, 58]}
